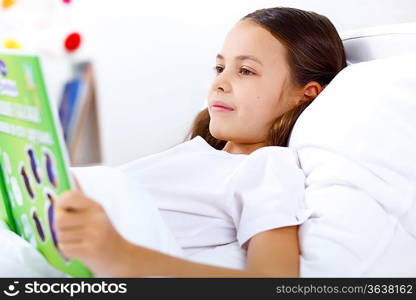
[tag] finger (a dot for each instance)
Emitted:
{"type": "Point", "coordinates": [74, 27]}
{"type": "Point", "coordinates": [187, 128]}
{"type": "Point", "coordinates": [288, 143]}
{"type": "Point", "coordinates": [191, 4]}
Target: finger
{"type": "Point", "coordinates": [73, 201]}
{"type": "Point", "coordinates": [73, 250]}
{"type": "Point", "coordinates": [67, 219]}
{"type": "Point", "coordinates": [68, 241]}
{"type": "Point", "coordinates": [71, 236]}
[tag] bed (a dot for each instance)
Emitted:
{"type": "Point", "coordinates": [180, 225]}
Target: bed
{"type": "Point", "coordinates": [356, 145]}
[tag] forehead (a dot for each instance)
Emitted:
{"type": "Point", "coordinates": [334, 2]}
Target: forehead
{"type": "Point", "coordinates": [249, 38]}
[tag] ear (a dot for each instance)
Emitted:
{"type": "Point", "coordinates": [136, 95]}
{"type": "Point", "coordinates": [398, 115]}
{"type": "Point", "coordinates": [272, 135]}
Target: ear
{"type": "Point", "coordinates": [310, 91]}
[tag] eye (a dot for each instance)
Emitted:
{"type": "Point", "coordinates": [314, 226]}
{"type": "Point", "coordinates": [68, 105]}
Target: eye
{"type": "Point", "coordinates": [245, 71]}
{"type": "Point", "coordinates": [218, 69]}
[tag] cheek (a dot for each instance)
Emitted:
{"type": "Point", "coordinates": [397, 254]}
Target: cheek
{"type": "Point", "coordinates": [250, 103]}
{"type": "Point", "coordinates": [260, 108]}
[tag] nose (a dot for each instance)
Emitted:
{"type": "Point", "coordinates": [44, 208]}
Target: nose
{"type": "Point", "coordinates": [221, 83]}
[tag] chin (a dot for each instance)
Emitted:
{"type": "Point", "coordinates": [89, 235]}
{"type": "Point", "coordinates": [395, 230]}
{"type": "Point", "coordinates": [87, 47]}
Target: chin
{"type": "Point", "coordinates": [218, 134]}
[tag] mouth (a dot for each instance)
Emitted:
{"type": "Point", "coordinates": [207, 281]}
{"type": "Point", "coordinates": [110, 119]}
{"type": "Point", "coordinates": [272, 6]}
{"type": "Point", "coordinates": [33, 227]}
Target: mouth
{"type": "Point", "coordinates": [220, 106]}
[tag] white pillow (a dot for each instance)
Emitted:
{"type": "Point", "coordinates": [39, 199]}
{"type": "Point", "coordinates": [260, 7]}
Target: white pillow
{"type": "Point", "coordinates": [378, 42]}
{"type": "Point", "coordinates": [357, 146]}
{"type": "Point", "coordinates": [19, 258]}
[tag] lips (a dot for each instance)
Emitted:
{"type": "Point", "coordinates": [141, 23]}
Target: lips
{"type": "Point", "coordinates": [221, 106]}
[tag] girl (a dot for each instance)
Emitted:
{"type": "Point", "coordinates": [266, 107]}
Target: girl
{"type": "Point", "coordinates": [235, 180]}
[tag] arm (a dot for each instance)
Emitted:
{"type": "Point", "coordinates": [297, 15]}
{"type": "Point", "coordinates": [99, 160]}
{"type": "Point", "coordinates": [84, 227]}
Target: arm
{"type": "Point", "coordinates": [266, 258]}
{"type": "Point", "coordinates": [85, 232]}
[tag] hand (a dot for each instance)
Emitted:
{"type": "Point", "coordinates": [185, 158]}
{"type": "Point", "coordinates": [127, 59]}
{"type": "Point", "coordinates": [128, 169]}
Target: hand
{"type": "Point", "coordinates": [85, 232]}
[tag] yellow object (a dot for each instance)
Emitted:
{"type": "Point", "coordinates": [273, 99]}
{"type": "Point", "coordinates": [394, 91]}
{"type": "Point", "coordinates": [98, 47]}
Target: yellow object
{"type": "Point", "coordinates": [11, 44]}
{"type": "Point", "coordinates": [7, 3]}
{"type": "Point", "coordinates": [58, 211]}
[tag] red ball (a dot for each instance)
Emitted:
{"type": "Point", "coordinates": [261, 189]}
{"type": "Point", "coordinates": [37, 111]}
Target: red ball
{"type": "Point", "coordinates": [72, 42]}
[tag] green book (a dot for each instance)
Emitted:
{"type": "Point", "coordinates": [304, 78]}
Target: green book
{"type": "Point", "coordinates": [34, 168]}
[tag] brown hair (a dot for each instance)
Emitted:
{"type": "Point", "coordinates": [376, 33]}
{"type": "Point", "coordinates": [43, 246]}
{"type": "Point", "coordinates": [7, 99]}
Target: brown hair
{"type": "Point", "coordinates": [315, 53]}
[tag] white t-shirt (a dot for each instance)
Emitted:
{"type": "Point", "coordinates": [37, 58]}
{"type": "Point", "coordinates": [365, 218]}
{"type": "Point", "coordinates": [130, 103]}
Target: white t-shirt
{"type": "Point", "coordinates": [211, 199]}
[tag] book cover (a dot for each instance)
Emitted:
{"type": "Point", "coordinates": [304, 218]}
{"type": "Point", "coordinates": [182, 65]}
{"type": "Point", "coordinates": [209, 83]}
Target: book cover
{"type": "Point", "coordinates": [67, 106]}
{"type": "Point", "coordinates": [33, 158]}
{"type": "Point", "coordinates": [79, 116]}
{"type": "Point", "coordinates": [84, 144]}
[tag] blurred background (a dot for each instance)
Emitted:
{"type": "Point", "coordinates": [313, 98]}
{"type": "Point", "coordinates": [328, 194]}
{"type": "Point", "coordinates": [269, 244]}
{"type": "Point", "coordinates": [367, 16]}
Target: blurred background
{"type": "Point", "coordinates": [151, 61]}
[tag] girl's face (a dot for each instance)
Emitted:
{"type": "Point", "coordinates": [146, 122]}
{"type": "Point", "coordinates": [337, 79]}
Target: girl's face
{"type": "Point", "coordinates": [253, 80]}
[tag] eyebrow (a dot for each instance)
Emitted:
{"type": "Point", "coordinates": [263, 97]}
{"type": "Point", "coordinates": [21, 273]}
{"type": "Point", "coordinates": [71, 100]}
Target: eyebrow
{"type": "Point", "coordinates": [243, 57]}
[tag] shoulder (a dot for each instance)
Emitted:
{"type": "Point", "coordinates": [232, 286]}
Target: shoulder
{"type": "Point", "coordinates": [270, 158]}
{"type": "Point", "coordinates": [276, 153]}
{"type": "Point", "coordinates": [172, 153]}
{"type": "Point", "coordinates": [271, 166]}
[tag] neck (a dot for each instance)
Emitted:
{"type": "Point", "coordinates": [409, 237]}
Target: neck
{"type": "Point", "coordinates": [242, 148]}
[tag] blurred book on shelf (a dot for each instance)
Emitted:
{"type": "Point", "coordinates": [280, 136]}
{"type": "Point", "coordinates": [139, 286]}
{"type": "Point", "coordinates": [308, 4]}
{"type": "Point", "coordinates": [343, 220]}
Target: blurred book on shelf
{"type": "Point", "coordinates": [79, 117]}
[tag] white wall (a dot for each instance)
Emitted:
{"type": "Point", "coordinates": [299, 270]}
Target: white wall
{"type": "Point", "coordinates": [154, 59]}
{"type": "Point", "coordinates": [154, 65]}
